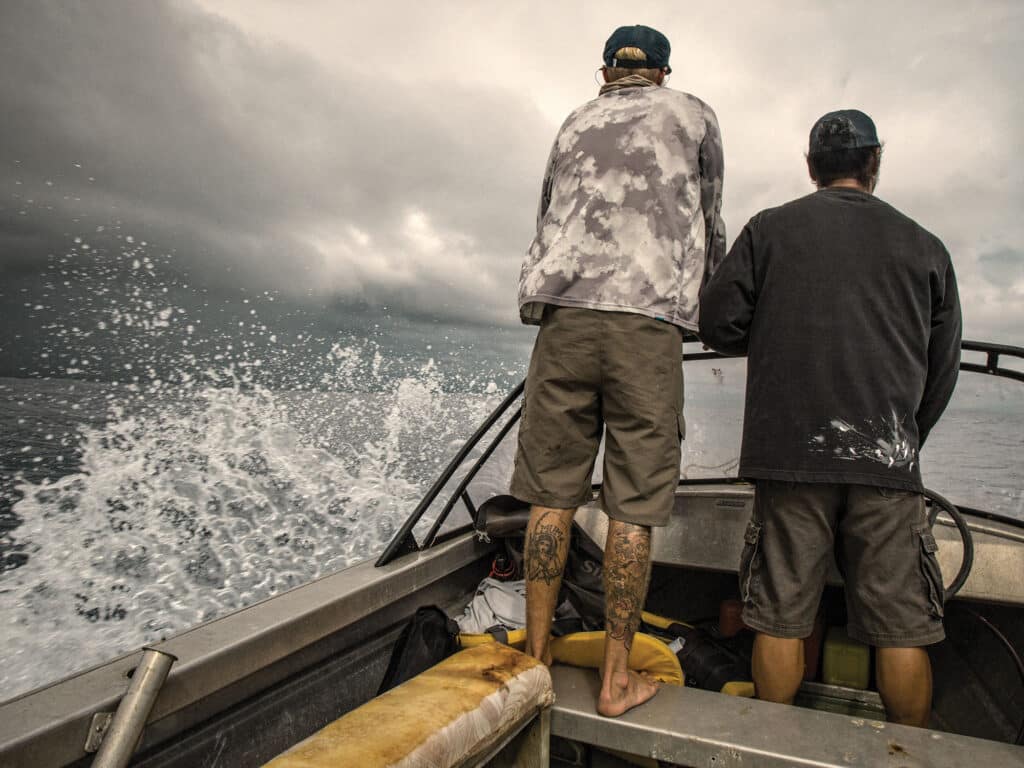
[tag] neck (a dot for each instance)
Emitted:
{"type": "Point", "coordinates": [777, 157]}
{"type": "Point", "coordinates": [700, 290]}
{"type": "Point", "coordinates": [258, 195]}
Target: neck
{"type": "Point", "coordinates": [629, 81]}
{"type": "Point", "coordinates": [847, 184]}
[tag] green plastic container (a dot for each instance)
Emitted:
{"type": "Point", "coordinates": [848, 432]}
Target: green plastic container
{"type": "Point", "coordinates": [846, 662]}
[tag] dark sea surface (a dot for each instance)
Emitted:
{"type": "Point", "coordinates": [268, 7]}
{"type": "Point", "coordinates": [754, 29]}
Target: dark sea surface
{"type": "Point", "coordinates": [131, 512]}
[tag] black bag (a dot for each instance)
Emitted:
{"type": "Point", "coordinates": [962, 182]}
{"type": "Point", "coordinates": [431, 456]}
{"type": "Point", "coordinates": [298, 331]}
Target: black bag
{"type": "Point", "coordinates": [710, 662]}
{"type": "Point", "coordinates": [428, 638]}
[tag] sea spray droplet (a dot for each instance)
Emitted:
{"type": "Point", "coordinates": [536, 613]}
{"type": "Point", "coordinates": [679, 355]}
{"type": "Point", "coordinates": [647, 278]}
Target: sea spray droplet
{"type": "Point", "coordinates": [233, 490]}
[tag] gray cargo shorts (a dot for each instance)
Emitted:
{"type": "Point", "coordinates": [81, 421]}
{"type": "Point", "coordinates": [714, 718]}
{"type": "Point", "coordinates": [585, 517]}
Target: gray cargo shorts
{"type": "Point", "coordinates": [886, 553]}
{"type": "Point", "coordinates": [594, 371]}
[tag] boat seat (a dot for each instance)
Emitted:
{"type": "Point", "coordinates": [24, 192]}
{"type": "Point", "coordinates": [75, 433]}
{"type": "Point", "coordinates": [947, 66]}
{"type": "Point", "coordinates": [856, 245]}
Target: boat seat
{"type": "Point", "coordinates": [688, 726]}
{"type": "Point", "coordinates": [461, 712]}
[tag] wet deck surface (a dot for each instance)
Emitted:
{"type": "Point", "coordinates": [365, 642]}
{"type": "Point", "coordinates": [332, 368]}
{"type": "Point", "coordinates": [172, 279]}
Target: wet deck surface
{"type": "Point", "coordinates": [688, 726]}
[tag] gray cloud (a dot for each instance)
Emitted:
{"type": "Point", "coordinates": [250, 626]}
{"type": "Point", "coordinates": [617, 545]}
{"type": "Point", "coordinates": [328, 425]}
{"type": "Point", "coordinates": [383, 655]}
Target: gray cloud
{"type": "Point", "coordinates": [250, 160]}
{"type": "Point", "coordinates": [1003, 268]}
{"type": "Point", "coordinates": [271, 145]}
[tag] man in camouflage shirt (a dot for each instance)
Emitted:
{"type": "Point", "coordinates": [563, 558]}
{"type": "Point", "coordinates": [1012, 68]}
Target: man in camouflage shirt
{"type": "Point", "coordinates": [627, 228]}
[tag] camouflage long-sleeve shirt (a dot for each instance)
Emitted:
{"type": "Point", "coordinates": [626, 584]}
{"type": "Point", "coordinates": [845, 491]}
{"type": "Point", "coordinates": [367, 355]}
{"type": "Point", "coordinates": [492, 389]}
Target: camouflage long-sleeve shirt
{"type": "Point", "coordinates": [629, 217]}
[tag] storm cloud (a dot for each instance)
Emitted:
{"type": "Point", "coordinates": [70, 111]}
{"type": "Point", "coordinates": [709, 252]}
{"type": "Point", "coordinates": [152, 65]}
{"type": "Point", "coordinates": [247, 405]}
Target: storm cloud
{"type": "Point", "coordinates": [356, 153]}
{"type": "Point", "coordinates": [256, 165]}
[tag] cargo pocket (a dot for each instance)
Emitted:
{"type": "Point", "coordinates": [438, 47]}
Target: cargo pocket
{"type": "Point", "coordinates": [751, 545]}
{"type": "Point", "coordinates": [931, 571]}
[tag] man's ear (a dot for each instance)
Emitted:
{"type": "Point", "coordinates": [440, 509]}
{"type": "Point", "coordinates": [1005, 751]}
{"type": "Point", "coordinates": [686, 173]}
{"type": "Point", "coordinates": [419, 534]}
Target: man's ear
{"type": "Point", "coordinates": [810, 172]}
{"type": "Point", "coordinates": [604, 73]}
{"type": "Point", "coordinates": [661, 76]}
{"type": "Point", "coordinates": [878, 170]}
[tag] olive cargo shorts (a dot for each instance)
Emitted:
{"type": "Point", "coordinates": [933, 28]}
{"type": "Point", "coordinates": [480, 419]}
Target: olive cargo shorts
{"type": "Point", "coordinates": [885, 551]}
{"type": "Point", "coordinates": [592, 369]}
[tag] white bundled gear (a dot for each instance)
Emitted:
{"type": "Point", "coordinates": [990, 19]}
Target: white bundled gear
{"type": "Point", "coordinates": [495, 604]}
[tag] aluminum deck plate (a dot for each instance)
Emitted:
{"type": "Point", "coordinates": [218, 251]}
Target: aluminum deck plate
{"type": "Point", "coordinates": [691, 727]}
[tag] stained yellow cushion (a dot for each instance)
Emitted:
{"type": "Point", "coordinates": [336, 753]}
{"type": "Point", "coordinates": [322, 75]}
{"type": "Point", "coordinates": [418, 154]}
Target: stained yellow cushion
{"type": "Point", "coordinates": [455, 709]}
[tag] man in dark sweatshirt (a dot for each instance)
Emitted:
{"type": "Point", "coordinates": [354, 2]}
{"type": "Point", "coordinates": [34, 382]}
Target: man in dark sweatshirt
{"type": "Point", "coordinates": [848, 313]}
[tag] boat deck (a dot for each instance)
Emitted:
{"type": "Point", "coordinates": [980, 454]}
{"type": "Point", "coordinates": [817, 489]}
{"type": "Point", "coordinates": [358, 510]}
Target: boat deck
{"type": "Point", "coordinates": [691, 727]}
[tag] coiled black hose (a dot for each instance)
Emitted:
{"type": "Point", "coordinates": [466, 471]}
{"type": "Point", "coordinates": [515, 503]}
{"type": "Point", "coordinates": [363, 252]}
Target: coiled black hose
{"type": "Point", "coordinates": [939, 501]}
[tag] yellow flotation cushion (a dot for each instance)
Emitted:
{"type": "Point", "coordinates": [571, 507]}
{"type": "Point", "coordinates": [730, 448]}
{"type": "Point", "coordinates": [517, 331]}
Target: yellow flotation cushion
{"type": "Point", "coordinates": [516, 639]}
{"type": "Point", "coordinates": [649, 655]}
{"type": "Point", "coordinates": [454, 710]}
{"type": "Point", "coordinates": [743, 688]}
{"type": "Point", "coordinates": [661, 622]}
{"type": "Point", "coordinates": [586, 649]}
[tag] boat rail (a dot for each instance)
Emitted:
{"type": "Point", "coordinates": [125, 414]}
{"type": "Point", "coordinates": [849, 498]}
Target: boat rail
{"type": "Point", "coordinates": [404, 541]}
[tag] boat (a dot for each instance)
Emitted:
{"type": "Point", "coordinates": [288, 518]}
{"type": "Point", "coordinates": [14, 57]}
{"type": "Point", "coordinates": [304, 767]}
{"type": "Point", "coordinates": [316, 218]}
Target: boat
{"type": "Point", "coordinates": [245, 687]}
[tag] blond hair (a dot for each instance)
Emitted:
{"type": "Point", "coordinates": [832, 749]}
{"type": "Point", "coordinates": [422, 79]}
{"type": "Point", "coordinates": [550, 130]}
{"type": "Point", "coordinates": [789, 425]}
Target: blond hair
{"type": "Point", "coordinates": [631, 54]}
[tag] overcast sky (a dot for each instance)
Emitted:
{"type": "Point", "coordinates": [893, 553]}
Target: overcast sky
{"type": "Point", "coordinates": [393, 152]}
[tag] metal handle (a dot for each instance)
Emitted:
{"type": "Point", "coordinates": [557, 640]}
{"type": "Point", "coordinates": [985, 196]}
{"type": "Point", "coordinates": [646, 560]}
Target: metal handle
{"type": "Point", "coordinates": [126, 728]}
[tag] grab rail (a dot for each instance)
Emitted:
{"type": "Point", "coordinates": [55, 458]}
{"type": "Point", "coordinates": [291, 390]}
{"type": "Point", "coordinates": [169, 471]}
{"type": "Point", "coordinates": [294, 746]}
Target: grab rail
{"type": "Point", "coordinates": [404, 542]}
{"type": "Point", "coordinates": [991, 366]}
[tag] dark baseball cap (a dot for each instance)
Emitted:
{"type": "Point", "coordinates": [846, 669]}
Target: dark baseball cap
{"type": "Point", "coordinates": [843, 129]}
{"type": "Point", "coordinates": [648, 40]}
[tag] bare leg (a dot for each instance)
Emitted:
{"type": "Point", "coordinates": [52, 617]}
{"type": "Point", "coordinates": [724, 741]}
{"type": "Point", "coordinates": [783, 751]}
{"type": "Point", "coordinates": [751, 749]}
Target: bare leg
{"type": "Point", "coordinates": [905, 683]}
{"type": "Point", "coordinates": [778, 665]}
{"type": "Point", "coordinates": [544, 555]}
{"type": "Point", "coordinates": [627, 571]}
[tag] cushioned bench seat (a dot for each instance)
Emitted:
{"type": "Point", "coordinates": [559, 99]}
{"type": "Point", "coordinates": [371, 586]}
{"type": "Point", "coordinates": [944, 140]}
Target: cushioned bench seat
{"type": "Point", "coordinates": [461, 709]}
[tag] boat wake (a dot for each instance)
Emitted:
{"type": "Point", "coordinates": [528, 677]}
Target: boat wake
{"type": "Point", "coordinates": [186, 507]}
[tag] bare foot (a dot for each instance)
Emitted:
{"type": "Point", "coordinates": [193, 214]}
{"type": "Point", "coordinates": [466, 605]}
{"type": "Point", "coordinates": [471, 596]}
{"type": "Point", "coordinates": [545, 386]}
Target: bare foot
{"type": "Point", "coordinates": [623, 691]}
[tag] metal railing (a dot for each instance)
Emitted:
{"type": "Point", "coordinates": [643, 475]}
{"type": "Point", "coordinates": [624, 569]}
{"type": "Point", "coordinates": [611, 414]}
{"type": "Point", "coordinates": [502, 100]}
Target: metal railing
{"type": "Point", "coordinates": [991, 366]}
{"type": "Point", "coordinates": [404, 541]}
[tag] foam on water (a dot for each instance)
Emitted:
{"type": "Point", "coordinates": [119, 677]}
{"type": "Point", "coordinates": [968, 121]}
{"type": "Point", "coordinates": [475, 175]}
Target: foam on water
{"type": "Point", "coordinates": [235, 456]}
{"type": "Point", "coordinates": [193, 506]}
{"type": "Point", "coordinates": [231, 462]}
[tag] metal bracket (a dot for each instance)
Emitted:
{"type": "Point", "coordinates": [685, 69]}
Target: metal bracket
{"type": "Point", "coordinates": [407, 545]}
{"type": "Point", "coordinates": [97, 730]}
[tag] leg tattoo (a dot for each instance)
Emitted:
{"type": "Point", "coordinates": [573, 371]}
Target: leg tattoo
{"type": "Point", "coordinates": [627, 569]}
{"type": "Point", "coordinates": [545, 553]}
{"type": "Point", "coordinates": [545, 550]}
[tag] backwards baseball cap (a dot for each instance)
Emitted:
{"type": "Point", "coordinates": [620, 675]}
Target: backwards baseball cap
{"type": "Point", "coordinates": [843, 129]}
{"type": "Point", "coordinates": [648, 40]}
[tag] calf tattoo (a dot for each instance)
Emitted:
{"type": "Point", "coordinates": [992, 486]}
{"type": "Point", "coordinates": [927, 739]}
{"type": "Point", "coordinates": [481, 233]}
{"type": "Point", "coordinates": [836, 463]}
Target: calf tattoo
{"type": "Point", "coordinates": [627, 567]}
{"type": "Point", "coordinates": [545, 557]}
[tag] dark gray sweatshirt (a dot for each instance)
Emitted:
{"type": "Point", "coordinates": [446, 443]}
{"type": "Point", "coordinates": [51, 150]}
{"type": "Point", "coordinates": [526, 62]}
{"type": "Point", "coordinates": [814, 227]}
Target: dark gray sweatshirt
{"type": "Point", "coordinates": [848, 313]}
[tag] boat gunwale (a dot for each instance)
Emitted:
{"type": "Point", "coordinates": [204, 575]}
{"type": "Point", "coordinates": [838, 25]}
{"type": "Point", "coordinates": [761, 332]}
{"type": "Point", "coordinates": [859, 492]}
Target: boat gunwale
{"type": "Point", "coordinates": [48, 725]}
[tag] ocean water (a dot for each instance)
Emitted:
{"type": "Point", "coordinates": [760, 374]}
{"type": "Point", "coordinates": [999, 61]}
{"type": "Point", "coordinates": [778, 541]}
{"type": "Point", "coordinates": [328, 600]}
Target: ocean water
{"type": "Point", "coordinates": [166, 458]}
{"type": "Point", "coordinates": [125, 520]}
{"type": "Point", "coordinates": [130, 515]}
